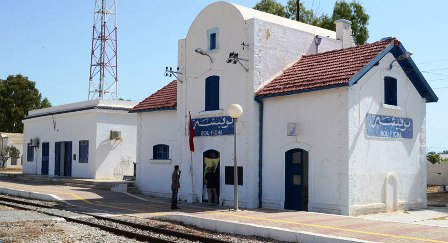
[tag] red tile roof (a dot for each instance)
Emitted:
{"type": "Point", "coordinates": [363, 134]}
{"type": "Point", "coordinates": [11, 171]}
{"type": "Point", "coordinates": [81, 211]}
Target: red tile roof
{"type": "Point", "coordinates": [324, 70]}
{"type": "Point", "coordinates": [163, 99]}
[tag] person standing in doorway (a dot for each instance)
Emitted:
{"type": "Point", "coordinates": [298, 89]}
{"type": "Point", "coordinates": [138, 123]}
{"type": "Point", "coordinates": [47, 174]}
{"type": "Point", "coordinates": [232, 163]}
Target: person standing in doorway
{"type": "Point", "coordinates": [211, 185]}
{"type": "Point", "coordinates": [175, 185]}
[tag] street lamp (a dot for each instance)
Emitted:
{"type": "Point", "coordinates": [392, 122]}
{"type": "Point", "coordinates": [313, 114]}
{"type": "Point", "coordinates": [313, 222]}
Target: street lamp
{"type": "Point", "coordinates": [403, 56]}
{"type": "Point", "coordinates": [235, 111]}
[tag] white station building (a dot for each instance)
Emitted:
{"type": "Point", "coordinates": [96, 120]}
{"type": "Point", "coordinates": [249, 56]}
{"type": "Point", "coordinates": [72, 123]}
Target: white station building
{"type": "Point", "coordinates": [93, 139]}
{"type": "Point", "coordinates": [327, 126]}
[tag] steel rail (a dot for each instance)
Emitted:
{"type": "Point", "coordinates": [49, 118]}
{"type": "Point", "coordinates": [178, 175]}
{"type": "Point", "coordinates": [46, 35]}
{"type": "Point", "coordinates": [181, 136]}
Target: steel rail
{"type": "Point", "coordinates": [125, 233]}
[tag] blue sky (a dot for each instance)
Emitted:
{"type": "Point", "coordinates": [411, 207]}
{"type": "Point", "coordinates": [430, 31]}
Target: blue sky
{"type": "Point", "coordinates": [49, 41]}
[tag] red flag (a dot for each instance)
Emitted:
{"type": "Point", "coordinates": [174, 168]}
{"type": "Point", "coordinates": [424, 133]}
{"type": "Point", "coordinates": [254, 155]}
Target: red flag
{"type": "Point", "coordinates": [191, 134]}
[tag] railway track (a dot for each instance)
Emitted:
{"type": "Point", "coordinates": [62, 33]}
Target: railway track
{"type": "Point", "coordinates": [127, 229]}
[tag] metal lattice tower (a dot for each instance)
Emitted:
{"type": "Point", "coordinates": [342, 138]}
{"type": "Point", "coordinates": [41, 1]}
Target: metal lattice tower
{"type": "Point", "coordinates": [103, 81]}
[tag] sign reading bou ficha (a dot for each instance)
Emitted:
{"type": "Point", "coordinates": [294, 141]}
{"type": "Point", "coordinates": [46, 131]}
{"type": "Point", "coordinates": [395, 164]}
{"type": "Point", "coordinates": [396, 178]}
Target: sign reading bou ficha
{"type": "Point", "coordinates": [389, 126]}
{"type": "Point", "coordinates": [213, 126]}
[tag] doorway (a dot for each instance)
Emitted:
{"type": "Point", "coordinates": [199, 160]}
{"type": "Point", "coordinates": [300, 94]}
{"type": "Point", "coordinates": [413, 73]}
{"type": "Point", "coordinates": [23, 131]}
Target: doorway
{"type": "Point", "coordinates": [63, 159]}
{"type": "Point", "coordinates": [211, 159]}
{"type": "Point", "coordinates": [296, 180]}
{"type": "Point", "coordinates": [45, 158]}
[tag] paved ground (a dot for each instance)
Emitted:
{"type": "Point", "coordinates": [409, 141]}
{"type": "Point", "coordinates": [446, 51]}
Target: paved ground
{"type": "Point", "coordinates": [434, 216]}
{"type": "Point", "coordinates": [281, 224]}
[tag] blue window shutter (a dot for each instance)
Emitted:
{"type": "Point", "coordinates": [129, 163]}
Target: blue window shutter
{"type": "Point", "coordinates": [212, 93]}
{"type": "Point", "coordinates": [212, 36]}
{"type": "Point", "coordinates": [212, 41]}
{"type": "Point", "coordinates": [57, 158]}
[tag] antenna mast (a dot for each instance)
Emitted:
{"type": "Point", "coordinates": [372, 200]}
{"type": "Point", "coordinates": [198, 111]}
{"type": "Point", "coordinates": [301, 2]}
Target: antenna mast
{"type": "Point", "coordinates": [103, 81]}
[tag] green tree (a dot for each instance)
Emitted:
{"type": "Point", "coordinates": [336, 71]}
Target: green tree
{"type": "Point", "coordinates": [433, 157]}
{"type": "Point", "coordinates": [353, 11]}
{"type": "Point", "coordinates": [272, 7]}
{"type": "Point", "coordinates": [18, 95]}
{"type": "Point", "coordinates": [6, 153]}
{"type": "Point", "coordinates": [356, 13]}
{"type": "Point", "coordinates": [305, 16]}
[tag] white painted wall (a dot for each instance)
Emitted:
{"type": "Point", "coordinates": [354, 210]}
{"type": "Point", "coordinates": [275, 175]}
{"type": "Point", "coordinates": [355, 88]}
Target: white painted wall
{"type": "Point", "coordinates": [115, 158]}
{"type": "Point", "coordinates": [273, 43]}
{"type": "Point", "coordinates": [386, 173]}
{"type": "Point", "coordinates": [65, 127]}
{"type": "Point", "coordinates": [154, 176]}
{"type": "Point", "coordinates": [321, 119]}
{"type": "Point", "coordinates": [105, 157]}
{"type": "Point", "coordinates": [276, 47]}
{"type": "Point", "coordinates": [437, 173]}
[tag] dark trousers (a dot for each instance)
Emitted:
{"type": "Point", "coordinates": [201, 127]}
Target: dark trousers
{"type": "Point", "coordinates": [174, 198]}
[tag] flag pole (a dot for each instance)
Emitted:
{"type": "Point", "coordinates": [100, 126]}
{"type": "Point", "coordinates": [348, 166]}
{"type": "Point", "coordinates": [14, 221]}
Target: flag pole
{"type": "Point", "coordinates": [191, 145]}
{"type": "Point", "coordinates": [191, 173]}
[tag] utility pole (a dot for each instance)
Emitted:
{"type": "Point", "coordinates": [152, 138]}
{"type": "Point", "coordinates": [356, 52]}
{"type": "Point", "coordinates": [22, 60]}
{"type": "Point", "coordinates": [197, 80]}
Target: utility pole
{"type": "Point", "coordinates": [103, 81]}
{"type": "Point", "coordinates": [297, 10]}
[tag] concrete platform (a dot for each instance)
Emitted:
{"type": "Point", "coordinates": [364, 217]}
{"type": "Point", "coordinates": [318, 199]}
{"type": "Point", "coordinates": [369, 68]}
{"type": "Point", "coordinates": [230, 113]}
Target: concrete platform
{"type": "Point", "coordinates": [277, 224]}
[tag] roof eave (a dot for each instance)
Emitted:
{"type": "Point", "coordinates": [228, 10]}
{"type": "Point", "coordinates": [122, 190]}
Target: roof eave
{"type": "Point", "coordinates": [261, 97]}
{"type": "Point", "coordinates": [370, 65]}
{"type": "Point", "coordinates": [414, 74]}
{"type": "Point", "coordinates": [151, 110]}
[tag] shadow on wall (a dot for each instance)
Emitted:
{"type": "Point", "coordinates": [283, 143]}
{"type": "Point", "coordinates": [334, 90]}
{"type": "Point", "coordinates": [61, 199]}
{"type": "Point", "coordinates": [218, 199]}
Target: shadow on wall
{"type": "Point", "coordinates": [103, 151]}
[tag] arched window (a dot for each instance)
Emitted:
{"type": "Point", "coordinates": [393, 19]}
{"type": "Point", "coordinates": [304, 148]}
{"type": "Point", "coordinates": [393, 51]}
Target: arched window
{"type": "Point", "coordinates": [160, 151]}
{"type": "Point", "coordinates": [212, 93]}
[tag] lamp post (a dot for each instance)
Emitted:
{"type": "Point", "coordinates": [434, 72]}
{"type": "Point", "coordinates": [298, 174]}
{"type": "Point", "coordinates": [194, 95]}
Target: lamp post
{"type": "Point", "coordinates": [235, 111]}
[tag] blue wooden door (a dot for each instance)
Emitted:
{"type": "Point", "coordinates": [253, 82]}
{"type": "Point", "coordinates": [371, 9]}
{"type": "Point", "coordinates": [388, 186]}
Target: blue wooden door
{"type": "Point", "coordinates": [296, 179]}
{"type": "Point", "coordinates": [45, 158]}
{"type": "Point", "coordinates": [68, 159]}
{"type": "Point", "coordinates": [57, 158]}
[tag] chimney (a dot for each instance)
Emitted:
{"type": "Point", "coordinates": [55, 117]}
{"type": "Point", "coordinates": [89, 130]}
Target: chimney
{"type": "Point", "coordinates": [344, 32]}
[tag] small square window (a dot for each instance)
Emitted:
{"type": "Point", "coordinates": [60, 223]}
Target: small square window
{"type": "Point", "coordinates": [229, 175]}
{"type": "Point", "coordinates": [160, 151]}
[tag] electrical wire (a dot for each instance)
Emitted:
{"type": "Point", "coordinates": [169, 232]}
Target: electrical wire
{"type": "Point", "coordinates": [435, 61]}
{"type": "Point", "coordinates": [439, 74]}
{"type": "Point", "coordinates": [439, 79]}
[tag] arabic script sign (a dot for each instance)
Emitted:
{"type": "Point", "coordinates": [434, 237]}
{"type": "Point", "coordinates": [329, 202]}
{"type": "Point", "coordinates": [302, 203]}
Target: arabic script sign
{"type": "Point", "coordinates": [389, 126]}
{"type": "Point", "coordinates": [213, 126]}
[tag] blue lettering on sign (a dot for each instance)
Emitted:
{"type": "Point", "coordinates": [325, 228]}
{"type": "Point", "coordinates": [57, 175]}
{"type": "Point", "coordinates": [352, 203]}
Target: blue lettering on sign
{"type": "Point", "coordinates": [213, 126]}
{"type": "Point", "coordinates": [389, 126]}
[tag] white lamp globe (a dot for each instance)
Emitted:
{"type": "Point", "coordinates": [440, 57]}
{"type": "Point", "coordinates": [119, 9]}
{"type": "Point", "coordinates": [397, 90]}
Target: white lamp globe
{"type": "Point", "coordinates": [235, 111]}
